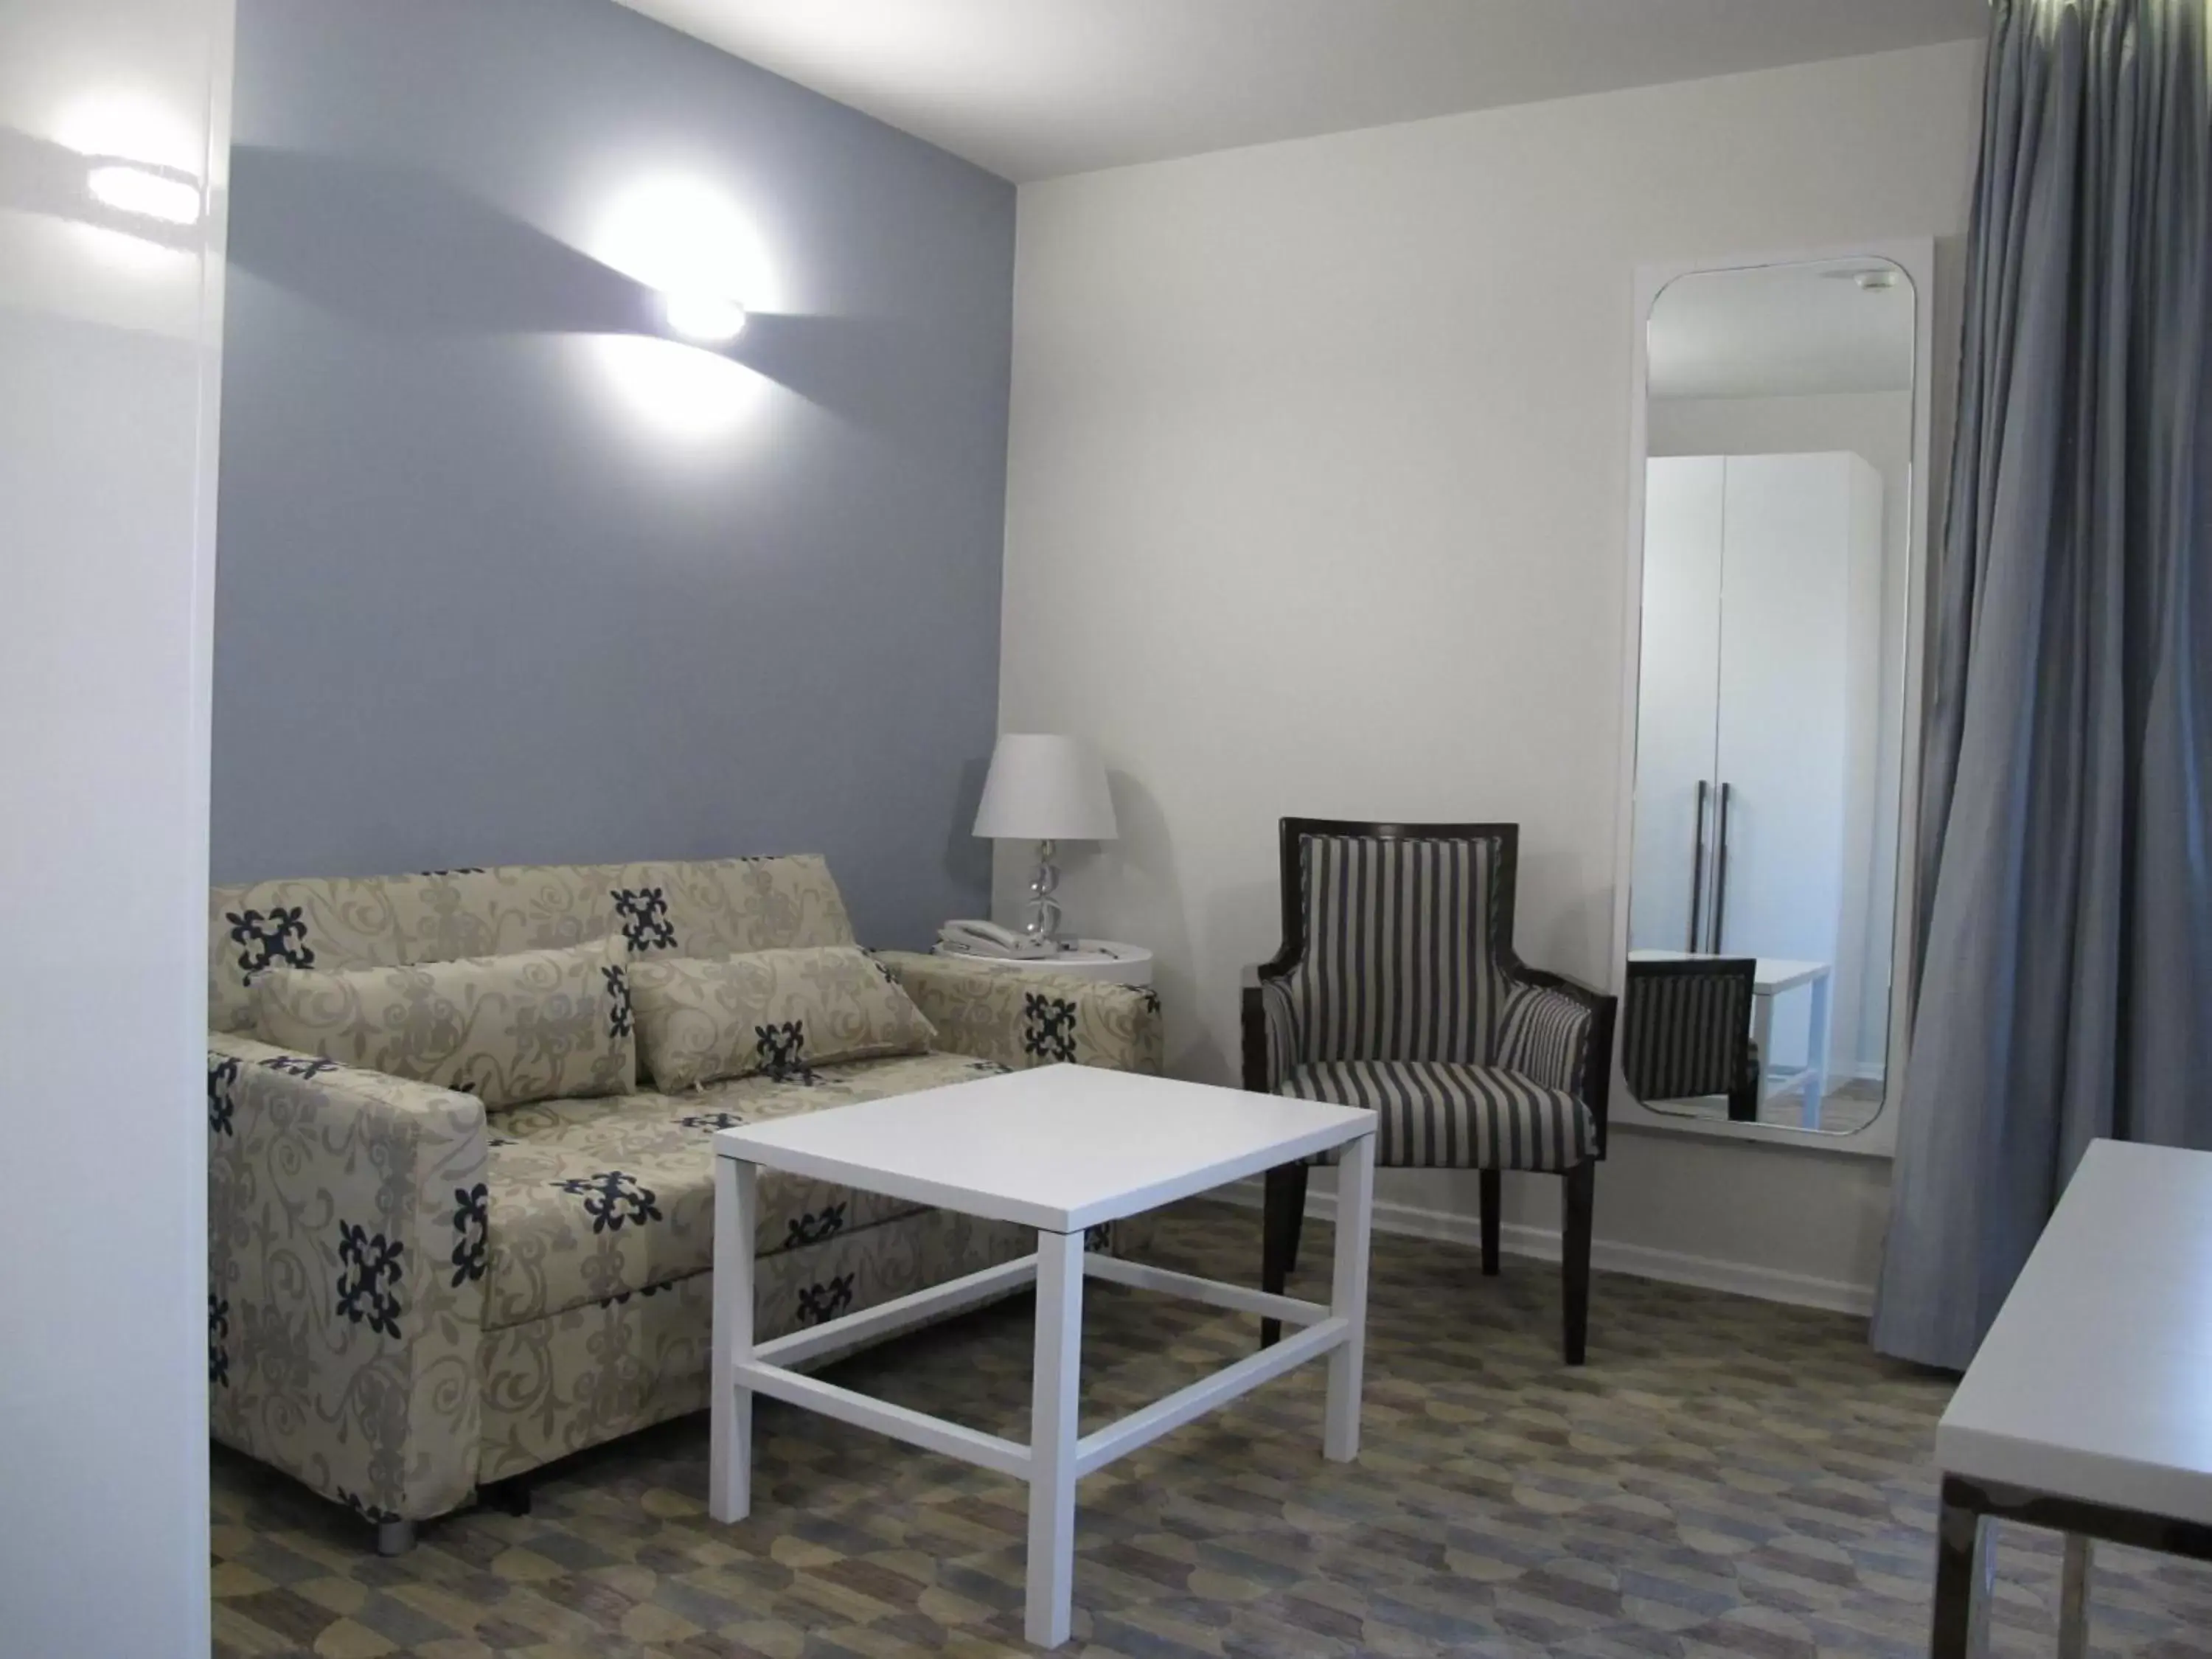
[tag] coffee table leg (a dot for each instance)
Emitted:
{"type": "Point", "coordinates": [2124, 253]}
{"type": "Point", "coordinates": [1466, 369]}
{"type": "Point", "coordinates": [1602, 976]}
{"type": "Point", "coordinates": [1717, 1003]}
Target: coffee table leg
{"type": "Point", "coordinates": [1347, 1299]}
{"type": "Point", "coordinates": [730, 1455]}
{"type": "Point", "coordinates": [2074, 1599]}
{"type": "Point", "coordinates": [1053, 1398]}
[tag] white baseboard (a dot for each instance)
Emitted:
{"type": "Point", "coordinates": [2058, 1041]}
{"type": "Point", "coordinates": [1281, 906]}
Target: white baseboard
{"type": "Point", "coordinates": [1640, 1262]}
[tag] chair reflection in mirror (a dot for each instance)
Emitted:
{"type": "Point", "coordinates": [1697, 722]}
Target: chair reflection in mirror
{"type": "Point", "coordinates": [1687, 1032]}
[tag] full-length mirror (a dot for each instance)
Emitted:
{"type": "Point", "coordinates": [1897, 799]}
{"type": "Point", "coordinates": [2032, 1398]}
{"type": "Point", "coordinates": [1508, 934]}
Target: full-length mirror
{"type": "Point", "coordinates": [1770, 707]}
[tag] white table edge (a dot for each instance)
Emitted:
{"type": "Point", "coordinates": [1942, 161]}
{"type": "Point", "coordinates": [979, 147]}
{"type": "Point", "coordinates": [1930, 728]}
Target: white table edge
{"type": "Point", "coordinates": [731, 1143]}
{"type": "Point", "coordinates": [1800, 971]}
{"type": "Point", "coordinates": [1992, 1459]}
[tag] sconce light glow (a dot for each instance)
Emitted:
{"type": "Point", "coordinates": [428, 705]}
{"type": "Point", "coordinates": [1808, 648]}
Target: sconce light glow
{"type": "Point", "coordinates": [680, 236]}
{"type": "Point", "coordinates": [125, 124]}
{"type": "Point", "coordinates": [674, 391]}
{"type": "Point", "coordinates": [708, 318]}
{"type": "Point", "coordinates": [143, 159]}
{"type": "Point", "coordinates": [690, 243]}
{"type": "Point", "coordinates": [139, 190]}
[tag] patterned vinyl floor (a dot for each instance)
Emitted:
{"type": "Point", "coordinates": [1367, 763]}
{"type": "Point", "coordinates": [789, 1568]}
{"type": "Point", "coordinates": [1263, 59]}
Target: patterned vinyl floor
{"type": "Point", "coordinates": [1726, 1479]}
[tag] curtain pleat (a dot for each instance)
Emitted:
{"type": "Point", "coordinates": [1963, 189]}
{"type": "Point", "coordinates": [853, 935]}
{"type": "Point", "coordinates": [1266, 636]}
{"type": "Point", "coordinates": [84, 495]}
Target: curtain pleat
{"type": "Point", "coordinates": [2065, 984]}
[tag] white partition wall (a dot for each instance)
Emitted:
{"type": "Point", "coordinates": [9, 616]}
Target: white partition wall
{"type": "Point", "coordinates": [113, 131]}
{"type": "Point", "coordinates": [1292, 527]}
{"type": "Point", "coordinates": [1683, 522]}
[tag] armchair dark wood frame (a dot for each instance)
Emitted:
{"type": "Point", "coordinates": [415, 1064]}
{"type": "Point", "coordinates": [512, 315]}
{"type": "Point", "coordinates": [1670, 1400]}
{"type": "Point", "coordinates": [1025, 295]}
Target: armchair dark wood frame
{"type": "Point", "coordinates": [1286, 1208]}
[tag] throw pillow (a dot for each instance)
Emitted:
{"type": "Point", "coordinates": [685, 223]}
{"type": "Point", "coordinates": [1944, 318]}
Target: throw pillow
{"type": "Point", "coordinates": [536, 1025]}
{"type": "Point", "coordinates": [782, 1013]}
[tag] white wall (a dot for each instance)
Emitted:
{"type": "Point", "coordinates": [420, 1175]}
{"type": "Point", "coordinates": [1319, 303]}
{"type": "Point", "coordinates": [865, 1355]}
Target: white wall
{"type": "Point", "coordinates": [1877, 426]}
{"type": "Point", "coordinates": [1317, 495]}
{"type": "Point", "coordinates": [109, 352]}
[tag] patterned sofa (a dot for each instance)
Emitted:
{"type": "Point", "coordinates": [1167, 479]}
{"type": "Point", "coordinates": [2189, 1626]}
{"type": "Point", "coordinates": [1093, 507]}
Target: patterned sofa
{"type": "Point", "coordinates": [407, 1301]}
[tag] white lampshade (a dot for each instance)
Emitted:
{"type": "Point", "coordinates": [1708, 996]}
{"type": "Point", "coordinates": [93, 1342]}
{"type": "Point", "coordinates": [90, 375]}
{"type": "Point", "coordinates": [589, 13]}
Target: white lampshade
{"type": "Point", "coordinates": [1045, 787]}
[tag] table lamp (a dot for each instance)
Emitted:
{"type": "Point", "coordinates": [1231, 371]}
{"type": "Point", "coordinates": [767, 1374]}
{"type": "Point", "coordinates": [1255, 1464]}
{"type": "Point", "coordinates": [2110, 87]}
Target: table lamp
{"type": "Point", "coordinates": [1045, 789]}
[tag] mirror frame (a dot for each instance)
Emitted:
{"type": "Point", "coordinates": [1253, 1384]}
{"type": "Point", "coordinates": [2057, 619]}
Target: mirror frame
{"type": "Point", "coordinates": [1916, 256]}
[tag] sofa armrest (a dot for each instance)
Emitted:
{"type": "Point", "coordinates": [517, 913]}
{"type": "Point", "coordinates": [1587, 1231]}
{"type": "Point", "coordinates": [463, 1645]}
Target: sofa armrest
{"type": "Point", "coordinates": [348, 1232]}
{"type": "Point", "coordinates": [1559, 1032]}
{"type": "Point", "coordinates": [1024, 1017]}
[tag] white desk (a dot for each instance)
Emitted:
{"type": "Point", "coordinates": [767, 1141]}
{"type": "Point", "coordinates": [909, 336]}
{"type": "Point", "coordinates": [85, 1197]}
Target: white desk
{"type": "Point", "coordinates": [1060, 1149]}
{"type": "Point", "coordinates": [1769, 979]}
{"type": "Point", "coordinates": [2088, 1408]}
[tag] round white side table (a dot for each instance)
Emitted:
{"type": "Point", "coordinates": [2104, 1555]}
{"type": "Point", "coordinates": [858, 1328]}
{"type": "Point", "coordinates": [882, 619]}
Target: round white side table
{"type": "Point", "coordinates": [1086, 958]}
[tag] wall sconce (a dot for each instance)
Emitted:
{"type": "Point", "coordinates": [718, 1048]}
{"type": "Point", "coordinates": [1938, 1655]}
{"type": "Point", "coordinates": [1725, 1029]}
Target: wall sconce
{"type": "Point", "coordinates": [700, 267]}
{"type": "Point", "coordinates": [703, 318]}
{"type": "Point", "coordinates": [144, 192]}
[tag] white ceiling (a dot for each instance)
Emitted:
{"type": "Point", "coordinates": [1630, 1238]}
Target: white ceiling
{"type": "Point", "coordinates": [1035, 89]}
{"type": "Point", "coordinates": [1781, 330]}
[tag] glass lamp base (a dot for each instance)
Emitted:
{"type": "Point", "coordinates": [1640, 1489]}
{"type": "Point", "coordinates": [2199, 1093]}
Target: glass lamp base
{"type": "Point", "coordinates": [1041, 915]}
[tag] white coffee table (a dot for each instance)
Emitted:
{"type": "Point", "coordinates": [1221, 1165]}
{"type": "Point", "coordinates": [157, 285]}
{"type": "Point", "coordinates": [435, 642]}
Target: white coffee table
{"type": "Point", "coordinates": [1062, 1149]}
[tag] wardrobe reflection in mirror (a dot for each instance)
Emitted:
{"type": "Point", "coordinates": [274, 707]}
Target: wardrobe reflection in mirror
{"type": "Point", "coordinates": [1770, 732]}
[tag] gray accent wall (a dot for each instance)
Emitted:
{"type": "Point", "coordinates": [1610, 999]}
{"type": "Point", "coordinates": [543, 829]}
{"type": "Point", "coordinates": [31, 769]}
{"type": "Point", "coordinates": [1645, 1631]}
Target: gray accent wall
{"type": "Point", "coordinates": [475, 605]}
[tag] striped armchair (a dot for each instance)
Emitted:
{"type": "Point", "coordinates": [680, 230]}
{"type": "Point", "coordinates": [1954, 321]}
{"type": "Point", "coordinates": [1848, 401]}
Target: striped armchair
{"type": "Point", "coordinates": [1686, 1032]}
{"type": "Point", "coordinates": [1396, 989]}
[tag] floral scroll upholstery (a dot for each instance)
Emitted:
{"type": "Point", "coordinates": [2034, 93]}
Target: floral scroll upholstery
{"type": "Point", "coordinates": [706, 907]}
{"type": "Point", "coordinates": [583, 1377]}
{"type": "Point", "coordinates": [346, 1243]}
{"type": "Point", "coordinates": [784, 1012]}
{"type": "Point", "coordinates": [304, 924]}
{"type": "Point", "coordinates": [532, 1025]}
{"type": "Point", "coordinates": [595, 1197]}
{"type": "Point", "coordinates": [1023, 1018]}
{"type": "Point", "coordinates": [408, 1298]}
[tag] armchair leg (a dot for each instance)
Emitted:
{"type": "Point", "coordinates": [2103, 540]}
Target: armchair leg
{"type": "Point", "coordinates": [1575, 1255]}
{"type": "Point", "coordinates": [1294, 1218]}
{"type": "Point", "coordinates": [1278, 1237]}
{"type": "Point", "coordinates": [1493, 1205]}
{"type": "Point", "coordinates": [394, 1537]}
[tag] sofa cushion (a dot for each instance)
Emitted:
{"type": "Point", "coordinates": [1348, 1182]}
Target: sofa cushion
{"type": "Point", "coordinates": [783, 1013]}
{"type": "Point", "coordinates": [338, 923]}
{"type": "Point", "coordinates": [697, 907]}
{"type": "Point", "coordinates": [713, 906]}
{"type": "Point", "coordinates": [590, 1199]}
{"type": "Point", "coordinates": [442, 916]}
{"type": "Point", "coordinates": [509, 1029]}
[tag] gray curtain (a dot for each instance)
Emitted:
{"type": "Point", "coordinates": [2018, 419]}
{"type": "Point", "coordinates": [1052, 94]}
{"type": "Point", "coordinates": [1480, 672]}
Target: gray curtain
{"type": "Point", "coordinates": [2065, 985]}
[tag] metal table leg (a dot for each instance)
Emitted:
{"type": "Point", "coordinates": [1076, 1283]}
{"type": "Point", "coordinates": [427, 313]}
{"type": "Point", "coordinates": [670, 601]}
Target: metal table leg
{"type": "Point", "coordinates": [1962, 1566]}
